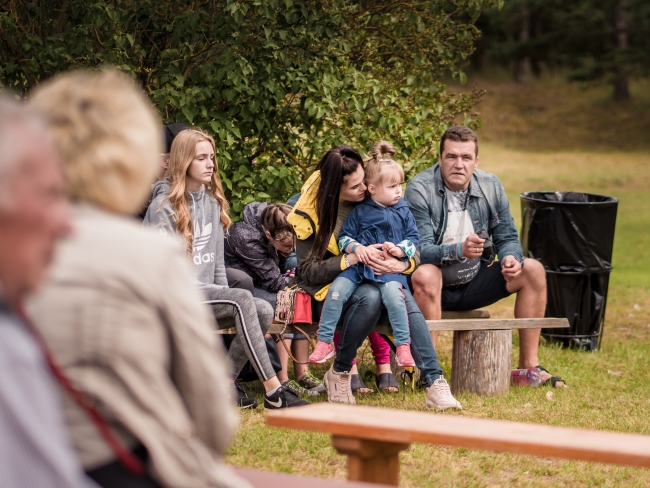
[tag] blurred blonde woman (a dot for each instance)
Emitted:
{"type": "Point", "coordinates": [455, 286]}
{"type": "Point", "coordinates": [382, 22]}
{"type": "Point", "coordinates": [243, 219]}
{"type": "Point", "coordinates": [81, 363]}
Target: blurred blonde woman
{"type": "Point", "coordinates": [119, 311]}
{"type": "Point", "coordinates": [190, 202]}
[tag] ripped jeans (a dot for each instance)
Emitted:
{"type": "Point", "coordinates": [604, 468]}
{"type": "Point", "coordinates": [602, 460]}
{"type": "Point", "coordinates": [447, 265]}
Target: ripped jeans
{"type": "Point", "coordinates": [392, 297]}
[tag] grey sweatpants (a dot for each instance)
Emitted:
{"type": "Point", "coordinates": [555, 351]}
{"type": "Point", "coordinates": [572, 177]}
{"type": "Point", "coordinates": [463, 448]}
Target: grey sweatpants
{"type": "Point", "coordinates": [253, 318]}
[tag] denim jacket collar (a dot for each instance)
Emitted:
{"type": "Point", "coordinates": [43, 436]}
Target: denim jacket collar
{"type": "Point", "coordinates": [488, 208]}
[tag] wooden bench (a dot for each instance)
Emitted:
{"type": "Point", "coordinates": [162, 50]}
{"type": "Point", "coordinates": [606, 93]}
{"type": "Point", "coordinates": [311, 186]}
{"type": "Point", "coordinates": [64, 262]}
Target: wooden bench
{"type": "Point", "coordinates": [372, 438]}
{"type": "Point", "coordinates": [268, 479]}
{"type": "Point", "coordinates": [482, 347]}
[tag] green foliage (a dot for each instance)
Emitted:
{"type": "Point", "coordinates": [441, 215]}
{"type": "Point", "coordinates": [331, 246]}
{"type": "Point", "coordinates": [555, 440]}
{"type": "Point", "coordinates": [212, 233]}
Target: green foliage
{"type": "Point", "coordinates": [276, 82]}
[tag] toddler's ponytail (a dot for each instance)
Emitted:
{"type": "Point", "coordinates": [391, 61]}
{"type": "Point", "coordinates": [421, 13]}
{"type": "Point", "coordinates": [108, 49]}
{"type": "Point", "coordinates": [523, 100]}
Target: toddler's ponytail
{"type": "Point", "coordinates": [381, 161]}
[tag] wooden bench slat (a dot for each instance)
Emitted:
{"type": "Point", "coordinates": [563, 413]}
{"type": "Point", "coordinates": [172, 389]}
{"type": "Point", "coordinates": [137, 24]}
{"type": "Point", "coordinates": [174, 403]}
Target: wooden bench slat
{"type": "Point", "coordinates": [274, 329]}
{"type": "Point", "coordinates": [492, 324]}
{"type": "Point", "coordinates": [445, 324]}
{"type": "Point", "coordinates": [268, 479]}
{"type": "Point", "coordinates": [401, 426]}
{"type": "Point", "coordinates": [481, 313]}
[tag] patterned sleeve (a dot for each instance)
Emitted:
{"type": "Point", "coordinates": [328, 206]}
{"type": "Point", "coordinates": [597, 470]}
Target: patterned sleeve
{"type": "Point", "coordinates": [350, 230]}
{"type": "Point", "coordinates": [408, 247]}
{"type": "Point", "coordinates": [344, 242]}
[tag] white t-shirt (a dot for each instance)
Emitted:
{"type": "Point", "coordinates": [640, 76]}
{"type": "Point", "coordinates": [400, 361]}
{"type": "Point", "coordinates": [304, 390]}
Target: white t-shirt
{"type": "Point", "coordinates": [459, 227]}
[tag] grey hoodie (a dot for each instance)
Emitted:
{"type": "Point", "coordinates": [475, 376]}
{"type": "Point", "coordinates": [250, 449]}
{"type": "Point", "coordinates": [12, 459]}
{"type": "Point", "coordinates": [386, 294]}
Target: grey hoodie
{"type": "Point", "coordinates": [207, 252]}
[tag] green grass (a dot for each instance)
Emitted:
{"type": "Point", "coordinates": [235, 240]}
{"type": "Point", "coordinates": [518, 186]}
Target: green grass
{"type": "Point", "coordinates": [608, 389]}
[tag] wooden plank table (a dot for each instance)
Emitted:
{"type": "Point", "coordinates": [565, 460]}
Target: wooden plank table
{"type": "Point", "coordinates": [373, 437]}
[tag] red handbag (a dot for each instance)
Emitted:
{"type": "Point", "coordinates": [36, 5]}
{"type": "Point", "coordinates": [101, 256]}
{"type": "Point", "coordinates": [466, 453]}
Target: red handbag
{"type": "Point", "coordinates": [293, 306]}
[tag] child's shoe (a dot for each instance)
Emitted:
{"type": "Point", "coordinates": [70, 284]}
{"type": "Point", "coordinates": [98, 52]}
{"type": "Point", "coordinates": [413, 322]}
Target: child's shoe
{"type": "Point", "coordinates": [322, 353]}
{"type": "Point", "coordinates": [403, 356]}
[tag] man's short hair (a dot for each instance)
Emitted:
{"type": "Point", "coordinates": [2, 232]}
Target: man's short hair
{"type": "Point", "coordinates": [459, 133]}
{"type": "Point", "coordinates": [15, 119]}
{"type": "Point", "coordinates": [108, 135]}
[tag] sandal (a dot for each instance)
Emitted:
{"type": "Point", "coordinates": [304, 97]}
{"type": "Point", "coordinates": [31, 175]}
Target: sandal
{"type": "Point", "coordinates": [387, 383]}
{"type": "Point", "coordinates": [358, 386]}
{"type": "Point", "coordinates": [556, 381]}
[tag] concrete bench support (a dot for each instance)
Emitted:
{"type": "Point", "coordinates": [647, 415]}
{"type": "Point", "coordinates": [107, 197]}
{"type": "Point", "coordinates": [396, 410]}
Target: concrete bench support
{"type": "Point", "coordinates": [481, 362]}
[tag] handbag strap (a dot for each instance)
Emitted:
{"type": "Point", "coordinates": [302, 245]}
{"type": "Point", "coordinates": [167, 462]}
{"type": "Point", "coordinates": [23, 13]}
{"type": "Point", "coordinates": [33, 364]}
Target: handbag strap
{"type": "Point", "coordinates": [125, 456]}
{"type": "Point", "coordinates": [280, 338]}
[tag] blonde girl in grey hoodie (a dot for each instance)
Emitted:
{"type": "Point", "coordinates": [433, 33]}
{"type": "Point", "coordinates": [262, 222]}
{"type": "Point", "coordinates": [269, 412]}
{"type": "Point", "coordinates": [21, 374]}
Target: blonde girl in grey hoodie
{"type": "Point", "coordinates": [191, 203]}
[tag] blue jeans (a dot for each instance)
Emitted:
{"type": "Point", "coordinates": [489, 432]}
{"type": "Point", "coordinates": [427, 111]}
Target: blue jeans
{"type": "Point", "coordinates": [290, 262]}
{"type": "Point", "coordinates": [391, 296]}
{"type": "Point", "coordinates": [360, 315]}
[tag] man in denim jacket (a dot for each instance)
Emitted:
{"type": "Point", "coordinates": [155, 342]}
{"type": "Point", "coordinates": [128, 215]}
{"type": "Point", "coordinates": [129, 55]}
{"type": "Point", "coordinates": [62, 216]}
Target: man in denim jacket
{"type": "Point", "coordinates": [451, 202]}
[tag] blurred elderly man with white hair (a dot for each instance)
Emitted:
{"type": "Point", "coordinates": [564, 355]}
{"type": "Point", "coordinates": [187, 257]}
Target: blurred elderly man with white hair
{"type": "Point", "coordinates": [34, 448]}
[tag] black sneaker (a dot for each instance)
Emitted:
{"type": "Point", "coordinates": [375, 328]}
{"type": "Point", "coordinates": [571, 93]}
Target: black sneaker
{"type": "Point", "coordinates": [283, 398]}
{"type": "Point", "coordinates": [241, 400]}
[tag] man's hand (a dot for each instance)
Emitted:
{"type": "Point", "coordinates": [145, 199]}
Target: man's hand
{"type": "Point", "coordinates": [383, 263]}
{"type": "Point", "coordinates": [473, 247]}
{"type": "Point", "coordinates": [393, 250]}
{"type": "Point", "coordinates": [510, 268]}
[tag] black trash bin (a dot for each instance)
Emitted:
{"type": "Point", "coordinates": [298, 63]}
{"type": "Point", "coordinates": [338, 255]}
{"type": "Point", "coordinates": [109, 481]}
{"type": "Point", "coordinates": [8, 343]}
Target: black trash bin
{"type": "Point", "coordinates": [572, 235]}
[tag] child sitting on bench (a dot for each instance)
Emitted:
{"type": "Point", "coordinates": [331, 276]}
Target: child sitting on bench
{"type": "Point", "coordinates": [383, 222]}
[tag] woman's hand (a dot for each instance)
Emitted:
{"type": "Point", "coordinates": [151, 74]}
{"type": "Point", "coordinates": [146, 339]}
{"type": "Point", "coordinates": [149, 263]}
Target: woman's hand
{"type": "Point", "coordinates": [353, 259]}
{"type": "Point", "coordinates": [383, 263]}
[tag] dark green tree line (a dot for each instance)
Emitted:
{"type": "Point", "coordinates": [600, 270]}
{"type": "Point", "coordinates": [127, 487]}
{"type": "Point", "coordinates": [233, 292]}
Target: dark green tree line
{"type": "Point", "coordinates": [591, 39]}
{"type": "Point", "coordinates": [276, 82]}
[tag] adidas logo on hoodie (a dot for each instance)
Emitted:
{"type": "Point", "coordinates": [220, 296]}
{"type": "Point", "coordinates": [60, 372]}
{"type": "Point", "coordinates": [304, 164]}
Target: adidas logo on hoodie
{"type": "Point", "coordinates": [201, 238]}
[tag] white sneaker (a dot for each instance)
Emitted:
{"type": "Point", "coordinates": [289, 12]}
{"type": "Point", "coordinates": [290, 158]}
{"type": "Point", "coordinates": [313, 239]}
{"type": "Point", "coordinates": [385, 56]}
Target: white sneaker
{"type": "Point", "coordinates": [338, 387]}
{"type": "Point", "coordinates": [439, 396]}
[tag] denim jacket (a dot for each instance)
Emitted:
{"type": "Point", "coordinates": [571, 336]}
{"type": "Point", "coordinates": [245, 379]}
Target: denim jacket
{"type": "Point", "coordinates": [488, 207]}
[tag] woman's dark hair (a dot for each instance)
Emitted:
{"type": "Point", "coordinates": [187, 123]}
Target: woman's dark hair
{"type": "Point", "coordinates": [338, 162]}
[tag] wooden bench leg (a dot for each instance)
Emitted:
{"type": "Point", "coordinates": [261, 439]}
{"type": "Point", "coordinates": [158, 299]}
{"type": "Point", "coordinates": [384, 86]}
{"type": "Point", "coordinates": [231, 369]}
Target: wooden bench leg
{"type": "Point", "coordinates": [371, 461]}
{"type": "Point", "coordinates": [480, 362]}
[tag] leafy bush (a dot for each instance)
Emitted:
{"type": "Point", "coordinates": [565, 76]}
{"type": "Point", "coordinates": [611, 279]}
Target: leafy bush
{"type": "Point", "coordinates": [276, 82]}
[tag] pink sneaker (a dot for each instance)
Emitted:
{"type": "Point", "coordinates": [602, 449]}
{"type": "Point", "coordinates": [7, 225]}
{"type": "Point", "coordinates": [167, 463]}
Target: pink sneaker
{"type": "Point", "coordinates": [323, 352]}
{"type": "Point", "coordinates": [403, 355]}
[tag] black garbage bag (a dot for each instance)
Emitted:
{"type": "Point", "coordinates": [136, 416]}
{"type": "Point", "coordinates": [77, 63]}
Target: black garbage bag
{"type": "Point", "coordinates": [572, 235]}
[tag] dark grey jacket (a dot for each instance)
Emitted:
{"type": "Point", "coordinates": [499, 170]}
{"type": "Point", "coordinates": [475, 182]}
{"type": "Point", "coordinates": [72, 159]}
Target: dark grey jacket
{"type": "Point", "coordinates": [247, 249]}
